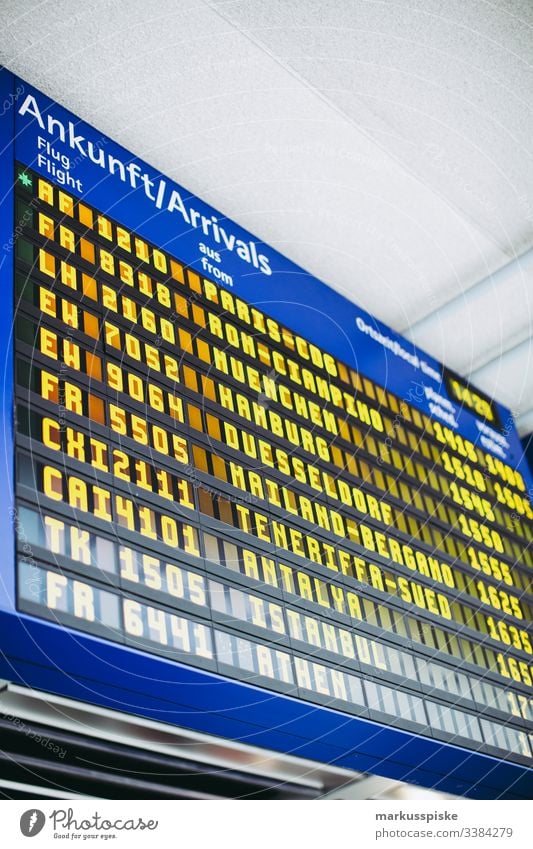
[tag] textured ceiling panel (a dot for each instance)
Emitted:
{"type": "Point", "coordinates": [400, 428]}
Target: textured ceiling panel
{"type": "Point", "coordinates": [488, 319]}
{"type": "Point", "coordinates": [385, 147]}
{"type": "Point", "coordinates": [510, 378]}
{"type": "Point", "coordinates": [443, 86]}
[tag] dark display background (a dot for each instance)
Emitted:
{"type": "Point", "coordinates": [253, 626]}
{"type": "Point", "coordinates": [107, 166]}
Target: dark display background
{"type": "Point", "coordinates": [153, 525]}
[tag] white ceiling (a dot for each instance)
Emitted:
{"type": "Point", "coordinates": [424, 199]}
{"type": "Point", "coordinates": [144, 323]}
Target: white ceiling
{"type": "Point", "coordinates": [384, 145]}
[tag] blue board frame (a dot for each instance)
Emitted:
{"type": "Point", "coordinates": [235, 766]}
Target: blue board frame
{"type": "Point", "coordinates": [45, 656]}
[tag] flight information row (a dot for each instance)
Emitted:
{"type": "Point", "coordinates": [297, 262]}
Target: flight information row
{"type": "Point", "coordinates": [416, 514]}
{"type": "Point", "coordinates": [81, 604]}
{"type": "Point", "coordinates": [370, 436]}
{"type": "Point", "coordinates": [117, 501]}
{"type": "Point", "coordinates": [178, 579]}
{"type": "Point", "coordinates": [343, 538]}
{"type": "Point", "coordinates": [66, 212]}
{"type": "Point", "coordinates": [94, 447]}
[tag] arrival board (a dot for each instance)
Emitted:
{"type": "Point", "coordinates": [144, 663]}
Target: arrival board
{"type": "Point", "coordinates": [203, 481]}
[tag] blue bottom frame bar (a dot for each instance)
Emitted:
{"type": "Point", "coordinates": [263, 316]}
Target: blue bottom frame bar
{"type": "Point", "coordinates": [46, 657]}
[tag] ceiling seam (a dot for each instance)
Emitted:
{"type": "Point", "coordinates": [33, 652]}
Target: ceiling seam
{"type": "Point", "coordinates": [526, 255]}
{"type": "Point", "coordinates": [527, 341]}
{"type": "Point", "coordinates": [489, 356]}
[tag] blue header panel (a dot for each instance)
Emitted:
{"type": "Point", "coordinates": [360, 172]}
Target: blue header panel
{"type": "Point", "coordinates": [61, 147]}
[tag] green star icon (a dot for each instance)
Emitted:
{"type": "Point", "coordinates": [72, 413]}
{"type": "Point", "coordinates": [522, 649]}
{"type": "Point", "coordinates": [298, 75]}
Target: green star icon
{"type": "Point", "coordinates": [25, 180]}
